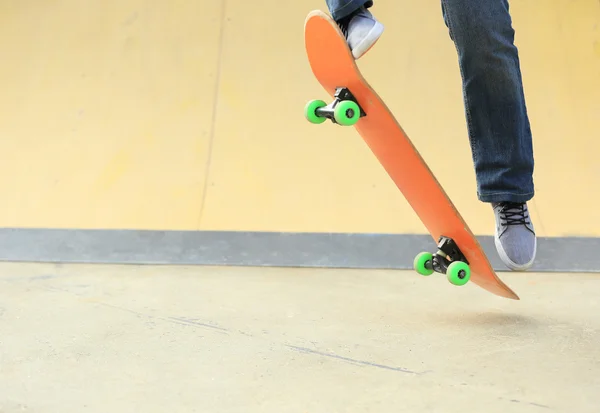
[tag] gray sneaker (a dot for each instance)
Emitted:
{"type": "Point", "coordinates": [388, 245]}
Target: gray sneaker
{"type": "Point", "coordinates": [362, 30]}
{"type": "Point", "coordinates": [515, 236]}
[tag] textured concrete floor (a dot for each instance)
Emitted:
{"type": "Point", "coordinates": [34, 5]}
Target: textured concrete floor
{"type": "Point", "coordinates": [180, 339]}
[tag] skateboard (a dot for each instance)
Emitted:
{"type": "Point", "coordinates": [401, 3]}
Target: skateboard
{"type": "Point", "coordinates": [458, 254]}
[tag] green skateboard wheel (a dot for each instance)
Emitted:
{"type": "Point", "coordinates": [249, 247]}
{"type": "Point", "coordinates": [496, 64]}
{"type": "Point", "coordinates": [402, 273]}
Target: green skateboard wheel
{"type": "Point", "coordinates": [423, 263]}
{"type": "Point", "coordinates": [346, 113]}
{"type": "Point", "coordinates": [458, 273]}
{"type": "Point", "coordinates": [310, 111]}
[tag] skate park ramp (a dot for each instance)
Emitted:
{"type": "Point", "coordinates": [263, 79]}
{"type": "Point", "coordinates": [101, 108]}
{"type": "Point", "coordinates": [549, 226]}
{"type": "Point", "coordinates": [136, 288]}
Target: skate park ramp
{"type": "Point", "coordinates": [189, 116]}
{"type": "Point", "coordinates": [163, 135]}
{"type": "Point", "coordinates": [130, 129]}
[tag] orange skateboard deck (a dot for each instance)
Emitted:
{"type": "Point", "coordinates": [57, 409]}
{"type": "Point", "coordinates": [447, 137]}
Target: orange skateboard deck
{"type": "Point", "coordinates": [459, 255]}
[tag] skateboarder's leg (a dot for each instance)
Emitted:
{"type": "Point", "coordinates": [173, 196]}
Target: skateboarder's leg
{"type": "Point", "coordinates": [359, 26]}
{"type": "Point", "coordinates": [497, 120]}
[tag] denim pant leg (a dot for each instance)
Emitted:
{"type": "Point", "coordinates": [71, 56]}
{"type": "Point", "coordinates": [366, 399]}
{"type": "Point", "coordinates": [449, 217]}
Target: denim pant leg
{"type": "Point", "coordinates": [498, 125]}
{"type": "Point", "coordinates": [341, 8]}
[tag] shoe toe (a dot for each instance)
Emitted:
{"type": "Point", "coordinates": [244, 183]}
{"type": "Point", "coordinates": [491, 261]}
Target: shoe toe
{"type": "Point", "coordinates": [517, 248]}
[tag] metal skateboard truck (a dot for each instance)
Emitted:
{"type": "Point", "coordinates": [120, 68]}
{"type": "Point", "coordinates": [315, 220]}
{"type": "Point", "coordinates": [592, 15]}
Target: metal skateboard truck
{"type": "Point", "coordinates": [344, 110]}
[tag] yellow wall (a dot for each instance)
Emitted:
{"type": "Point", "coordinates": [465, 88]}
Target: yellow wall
{"type": "Point", "coordinates": [189, 115]}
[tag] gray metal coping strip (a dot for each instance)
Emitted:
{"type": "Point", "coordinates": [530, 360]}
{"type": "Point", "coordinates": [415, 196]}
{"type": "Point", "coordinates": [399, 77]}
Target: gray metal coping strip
{"type": "Point", "coordinates": [277, 249]}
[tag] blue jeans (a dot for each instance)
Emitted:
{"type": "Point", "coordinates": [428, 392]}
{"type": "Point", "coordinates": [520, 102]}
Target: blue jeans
{"type": "Point", "coordinates": [497, 120]}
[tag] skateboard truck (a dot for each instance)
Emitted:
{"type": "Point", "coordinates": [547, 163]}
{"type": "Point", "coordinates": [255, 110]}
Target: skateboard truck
{"type": "Point", "coordinates": [447, 260]}
{"type": "Point", "coordinates": [344, 110]}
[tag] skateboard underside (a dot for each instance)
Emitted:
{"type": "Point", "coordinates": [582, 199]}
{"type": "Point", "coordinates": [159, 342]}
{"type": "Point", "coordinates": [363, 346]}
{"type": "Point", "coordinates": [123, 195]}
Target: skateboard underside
{"type": "Point", "coordinates": [355, 103]}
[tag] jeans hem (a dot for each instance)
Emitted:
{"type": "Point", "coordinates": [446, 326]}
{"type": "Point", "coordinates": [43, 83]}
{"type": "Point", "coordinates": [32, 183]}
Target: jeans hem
{"type": "Point", "coordinates": [505, 197]}
{"type": "Point", "coordinates": [349, 8]}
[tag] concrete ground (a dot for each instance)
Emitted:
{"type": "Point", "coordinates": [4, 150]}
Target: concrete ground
{"type": "Point", "coordinates": [82, 338]}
